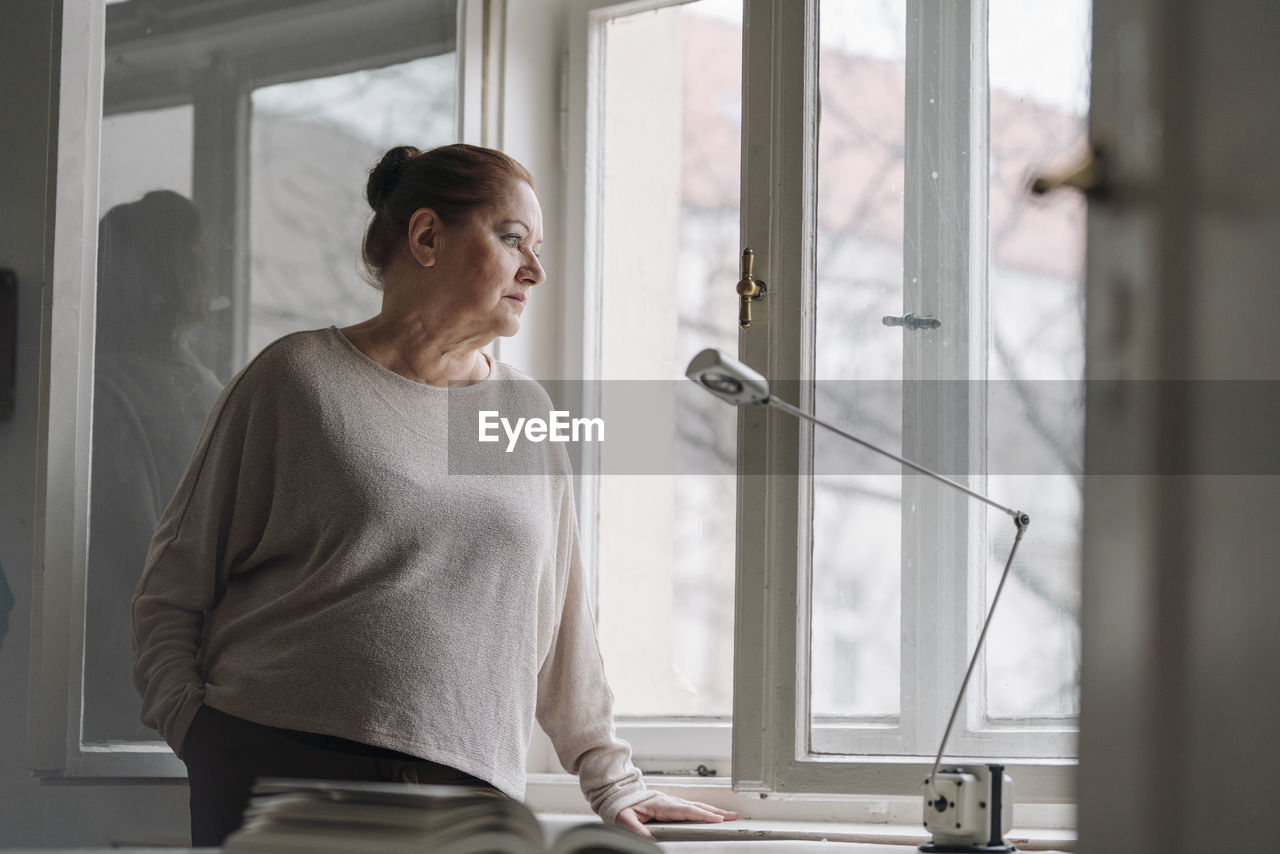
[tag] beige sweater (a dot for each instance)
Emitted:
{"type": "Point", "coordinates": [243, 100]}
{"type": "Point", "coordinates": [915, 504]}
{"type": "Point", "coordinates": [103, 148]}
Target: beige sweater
{"type": "Point", "coordinates": [321, 569]}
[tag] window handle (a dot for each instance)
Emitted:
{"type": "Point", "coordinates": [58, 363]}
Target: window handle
{"type": "Point", "coordinates": [1088, 175]}
{"type": "Point", "coordinates": [700, 771]}
{"type": "Point", "coordinates": [749, 287]}
{"type": "Point", "coordinates": [912, 321]}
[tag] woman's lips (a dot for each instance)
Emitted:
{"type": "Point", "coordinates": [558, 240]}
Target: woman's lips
{"type": "Point", "coordinates": [520, 298]}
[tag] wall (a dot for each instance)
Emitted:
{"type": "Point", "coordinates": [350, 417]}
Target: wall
{"type": "Point", "coordinates": [535, 47]}
{"type": "Point", "coordinates": [31, 814]}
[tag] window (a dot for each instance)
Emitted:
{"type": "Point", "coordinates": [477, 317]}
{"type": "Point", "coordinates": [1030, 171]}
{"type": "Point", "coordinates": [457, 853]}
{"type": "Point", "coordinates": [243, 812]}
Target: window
{"type": "Point", "coordinates": [927, 387]}
{"type": "Point", "coordinates": [668, 114]}
{"type": "Point", "coordinates": [890, 146]}
{"type": "Point", "coordinates": [842, 596]}
{"type": "Point", "coordinates": [900, 164]}
{"type": "Point", "coordinates": [233, 140]}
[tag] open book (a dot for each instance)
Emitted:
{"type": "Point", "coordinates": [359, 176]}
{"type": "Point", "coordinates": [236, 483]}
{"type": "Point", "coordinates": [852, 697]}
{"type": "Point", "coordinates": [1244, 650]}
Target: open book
{"type": "Point", "coordinates": [316, 816]}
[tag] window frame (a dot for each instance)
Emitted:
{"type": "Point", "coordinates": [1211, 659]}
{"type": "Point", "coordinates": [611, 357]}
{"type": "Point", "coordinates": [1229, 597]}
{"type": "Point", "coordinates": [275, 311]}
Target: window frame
{"type": "Point", "coordinates": [769, 751]}
{"type": "Point", "coordinates": [55, 746]}
{"type": "Point", "coordinates": [770, 30]}
{"type": "Point", "coordinates": [771, 672]}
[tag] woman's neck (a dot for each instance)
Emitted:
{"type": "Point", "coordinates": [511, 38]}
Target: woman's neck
{"type": "Point", "coordinates": [411, 348]}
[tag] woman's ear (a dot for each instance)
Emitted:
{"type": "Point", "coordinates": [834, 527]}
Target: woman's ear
{"type": "Point", "coordinates": [424, 236]}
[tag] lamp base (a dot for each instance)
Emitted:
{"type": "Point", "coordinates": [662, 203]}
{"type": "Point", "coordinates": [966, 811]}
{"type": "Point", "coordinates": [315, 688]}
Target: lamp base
{"type": "Point", "coordinates": [968, 809]}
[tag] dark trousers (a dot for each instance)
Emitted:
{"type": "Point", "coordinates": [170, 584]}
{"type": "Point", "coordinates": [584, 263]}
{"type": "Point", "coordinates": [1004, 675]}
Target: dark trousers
{"type": "Point", "coordinates": [225, 755]}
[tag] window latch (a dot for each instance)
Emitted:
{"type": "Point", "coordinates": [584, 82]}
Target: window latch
{"type": "Point", "coordinates": [912, 321]}
{"type": "Point", "coordinates": [700, 771]}
{"type": "Point", "coordinates": [749, 288]}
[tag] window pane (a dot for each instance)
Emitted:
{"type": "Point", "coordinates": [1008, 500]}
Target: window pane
{"type": "Point", "coordinates": [857, 544]}
{"type": "Point", "coordinates": [229, 216]}
{"type": "Point", "coordinates": [1039, 113]}
{"type": "Point", "coordinates": [669, 265]}
{"type": "Point", "coordinates": [130, 164]}
{"type": "Point", "coordinates": [313, 144]}
{"type": "Point", "coordinates": [150, 394]}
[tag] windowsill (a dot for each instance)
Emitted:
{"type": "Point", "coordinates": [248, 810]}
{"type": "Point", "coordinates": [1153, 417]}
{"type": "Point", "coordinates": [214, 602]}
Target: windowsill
{"type": "Point", "coordinates": [892, 821]}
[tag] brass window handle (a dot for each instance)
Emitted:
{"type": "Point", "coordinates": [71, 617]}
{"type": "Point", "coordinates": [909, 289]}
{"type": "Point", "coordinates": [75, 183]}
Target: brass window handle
{"type": "Point", "coordinates": [749, 287]}
{"type": "Point", "coordinates": [1088, 175]}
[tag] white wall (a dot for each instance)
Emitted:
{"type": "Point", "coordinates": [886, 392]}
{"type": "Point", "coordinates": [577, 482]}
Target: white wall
{"type": "Point", "coordinates": [535, 44]}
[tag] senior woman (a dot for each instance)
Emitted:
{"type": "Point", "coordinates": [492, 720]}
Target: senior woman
{"type": "Point", "coordinates": [327, 597]}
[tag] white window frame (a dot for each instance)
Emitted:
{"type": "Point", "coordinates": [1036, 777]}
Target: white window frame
{"type": "Point", "coordinates": [480, 33]}
{"type": "Point", "coordinates": [771, 672]}
{"type": "Point", "coordinates": [55, 746]}
{"type": "Point", "coordinates": [771, 620]}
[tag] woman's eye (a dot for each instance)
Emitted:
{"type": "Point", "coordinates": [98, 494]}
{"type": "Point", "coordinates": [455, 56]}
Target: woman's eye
{"type": "Point", "coordinates": [512, 239]}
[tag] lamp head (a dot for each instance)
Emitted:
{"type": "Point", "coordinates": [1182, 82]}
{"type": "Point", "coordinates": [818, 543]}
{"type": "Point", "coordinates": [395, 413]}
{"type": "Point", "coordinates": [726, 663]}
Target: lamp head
{"type": "Point", "coordinates": [727, 378]}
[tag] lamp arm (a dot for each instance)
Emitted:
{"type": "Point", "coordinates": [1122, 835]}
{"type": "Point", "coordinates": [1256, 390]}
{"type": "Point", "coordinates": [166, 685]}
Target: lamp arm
{"type": "Point", "coordinates": [1018, 516]}
{"type": "Point", "coordinates": [1020, 521]}
{"type": "Point", "coordinates": [1021, 525]}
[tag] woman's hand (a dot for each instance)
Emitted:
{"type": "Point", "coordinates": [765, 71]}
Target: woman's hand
{"type": "Point", "coordinates": [668, 808]}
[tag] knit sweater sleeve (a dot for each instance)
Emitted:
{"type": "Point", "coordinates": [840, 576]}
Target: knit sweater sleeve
{"type": "Point", "coordinates": [209, 525]}
{"type": "Point", "coordinates": [575, 704]}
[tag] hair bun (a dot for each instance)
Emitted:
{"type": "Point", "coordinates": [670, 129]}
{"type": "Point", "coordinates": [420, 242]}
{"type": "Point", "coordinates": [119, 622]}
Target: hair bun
{"type": "Point", "coordinates": [383, 177]}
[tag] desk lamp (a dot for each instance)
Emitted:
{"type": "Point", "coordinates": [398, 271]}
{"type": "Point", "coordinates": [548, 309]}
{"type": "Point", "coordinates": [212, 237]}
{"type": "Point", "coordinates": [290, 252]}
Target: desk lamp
{"type": "Point", "coordinates": [967, 808]}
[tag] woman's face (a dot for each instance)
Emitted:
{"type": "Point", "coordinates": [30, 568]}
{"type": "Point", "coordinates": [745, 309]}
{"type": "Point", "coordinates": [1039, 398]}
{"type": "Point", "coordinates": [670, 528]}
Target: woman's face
{"type": "Point", "coordinates": [490, 264]}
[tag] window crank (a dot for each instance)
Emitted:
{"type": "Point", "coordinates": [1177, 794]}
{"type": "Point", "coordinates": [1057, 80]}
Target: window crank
{"type": "Point", "coordinates": [912, 321]}
{"type": "Point", "coordinates": [749, 288]}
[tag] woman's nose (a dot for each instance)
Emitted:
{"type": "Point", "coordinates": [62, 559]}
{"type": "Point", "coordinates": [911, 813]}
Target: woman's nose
{"type": "Point", "coordinates": [532, 271]}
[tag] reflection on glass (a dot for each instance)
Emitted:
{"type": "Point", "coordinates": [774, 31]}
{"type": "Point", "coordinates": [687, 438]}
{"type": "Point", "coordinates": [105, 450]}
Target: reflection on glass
{"type": "Point", "coordinates": [857, 542]}
{"type": "Point", "coordinates": [231, 214]}
{"type": "Point", "coordinates": [151, 396]}
{"type": "Point", "coordinates": [672, 130]}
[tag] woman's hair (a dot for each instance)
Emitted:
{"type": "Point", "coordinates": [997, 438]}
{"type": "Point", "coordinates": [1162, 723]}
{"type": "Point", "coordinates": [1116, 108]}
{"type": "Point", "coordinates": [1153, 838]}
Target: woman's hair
{"type": "Point", "coordinates": [453, 180]}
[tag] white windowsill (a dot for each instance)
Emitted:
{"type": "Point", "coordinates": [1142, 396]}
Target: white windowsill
{"type": "Point", "coordinates": [1037, 827]}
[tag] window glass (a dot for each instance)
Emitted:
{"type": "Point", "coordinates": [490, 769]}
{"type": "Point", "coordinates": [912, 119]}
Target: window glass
{"type": "Point", "coordinates": [151, 392]}
{"type": "Point", "coordinates": [885, 657]}
{"type": "Point", "coordinates": [130, 163]}
{"type": "Point", "coordinates": [672, 115]}
{"type": "Point", "coordinates": [858, 363]}
{"type": "Point", "coordinates": [231, 213]}
{"type": "Point", "coordinates": [313, 143]}
{"type": "Point", "coordinates": [1039, 120]}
